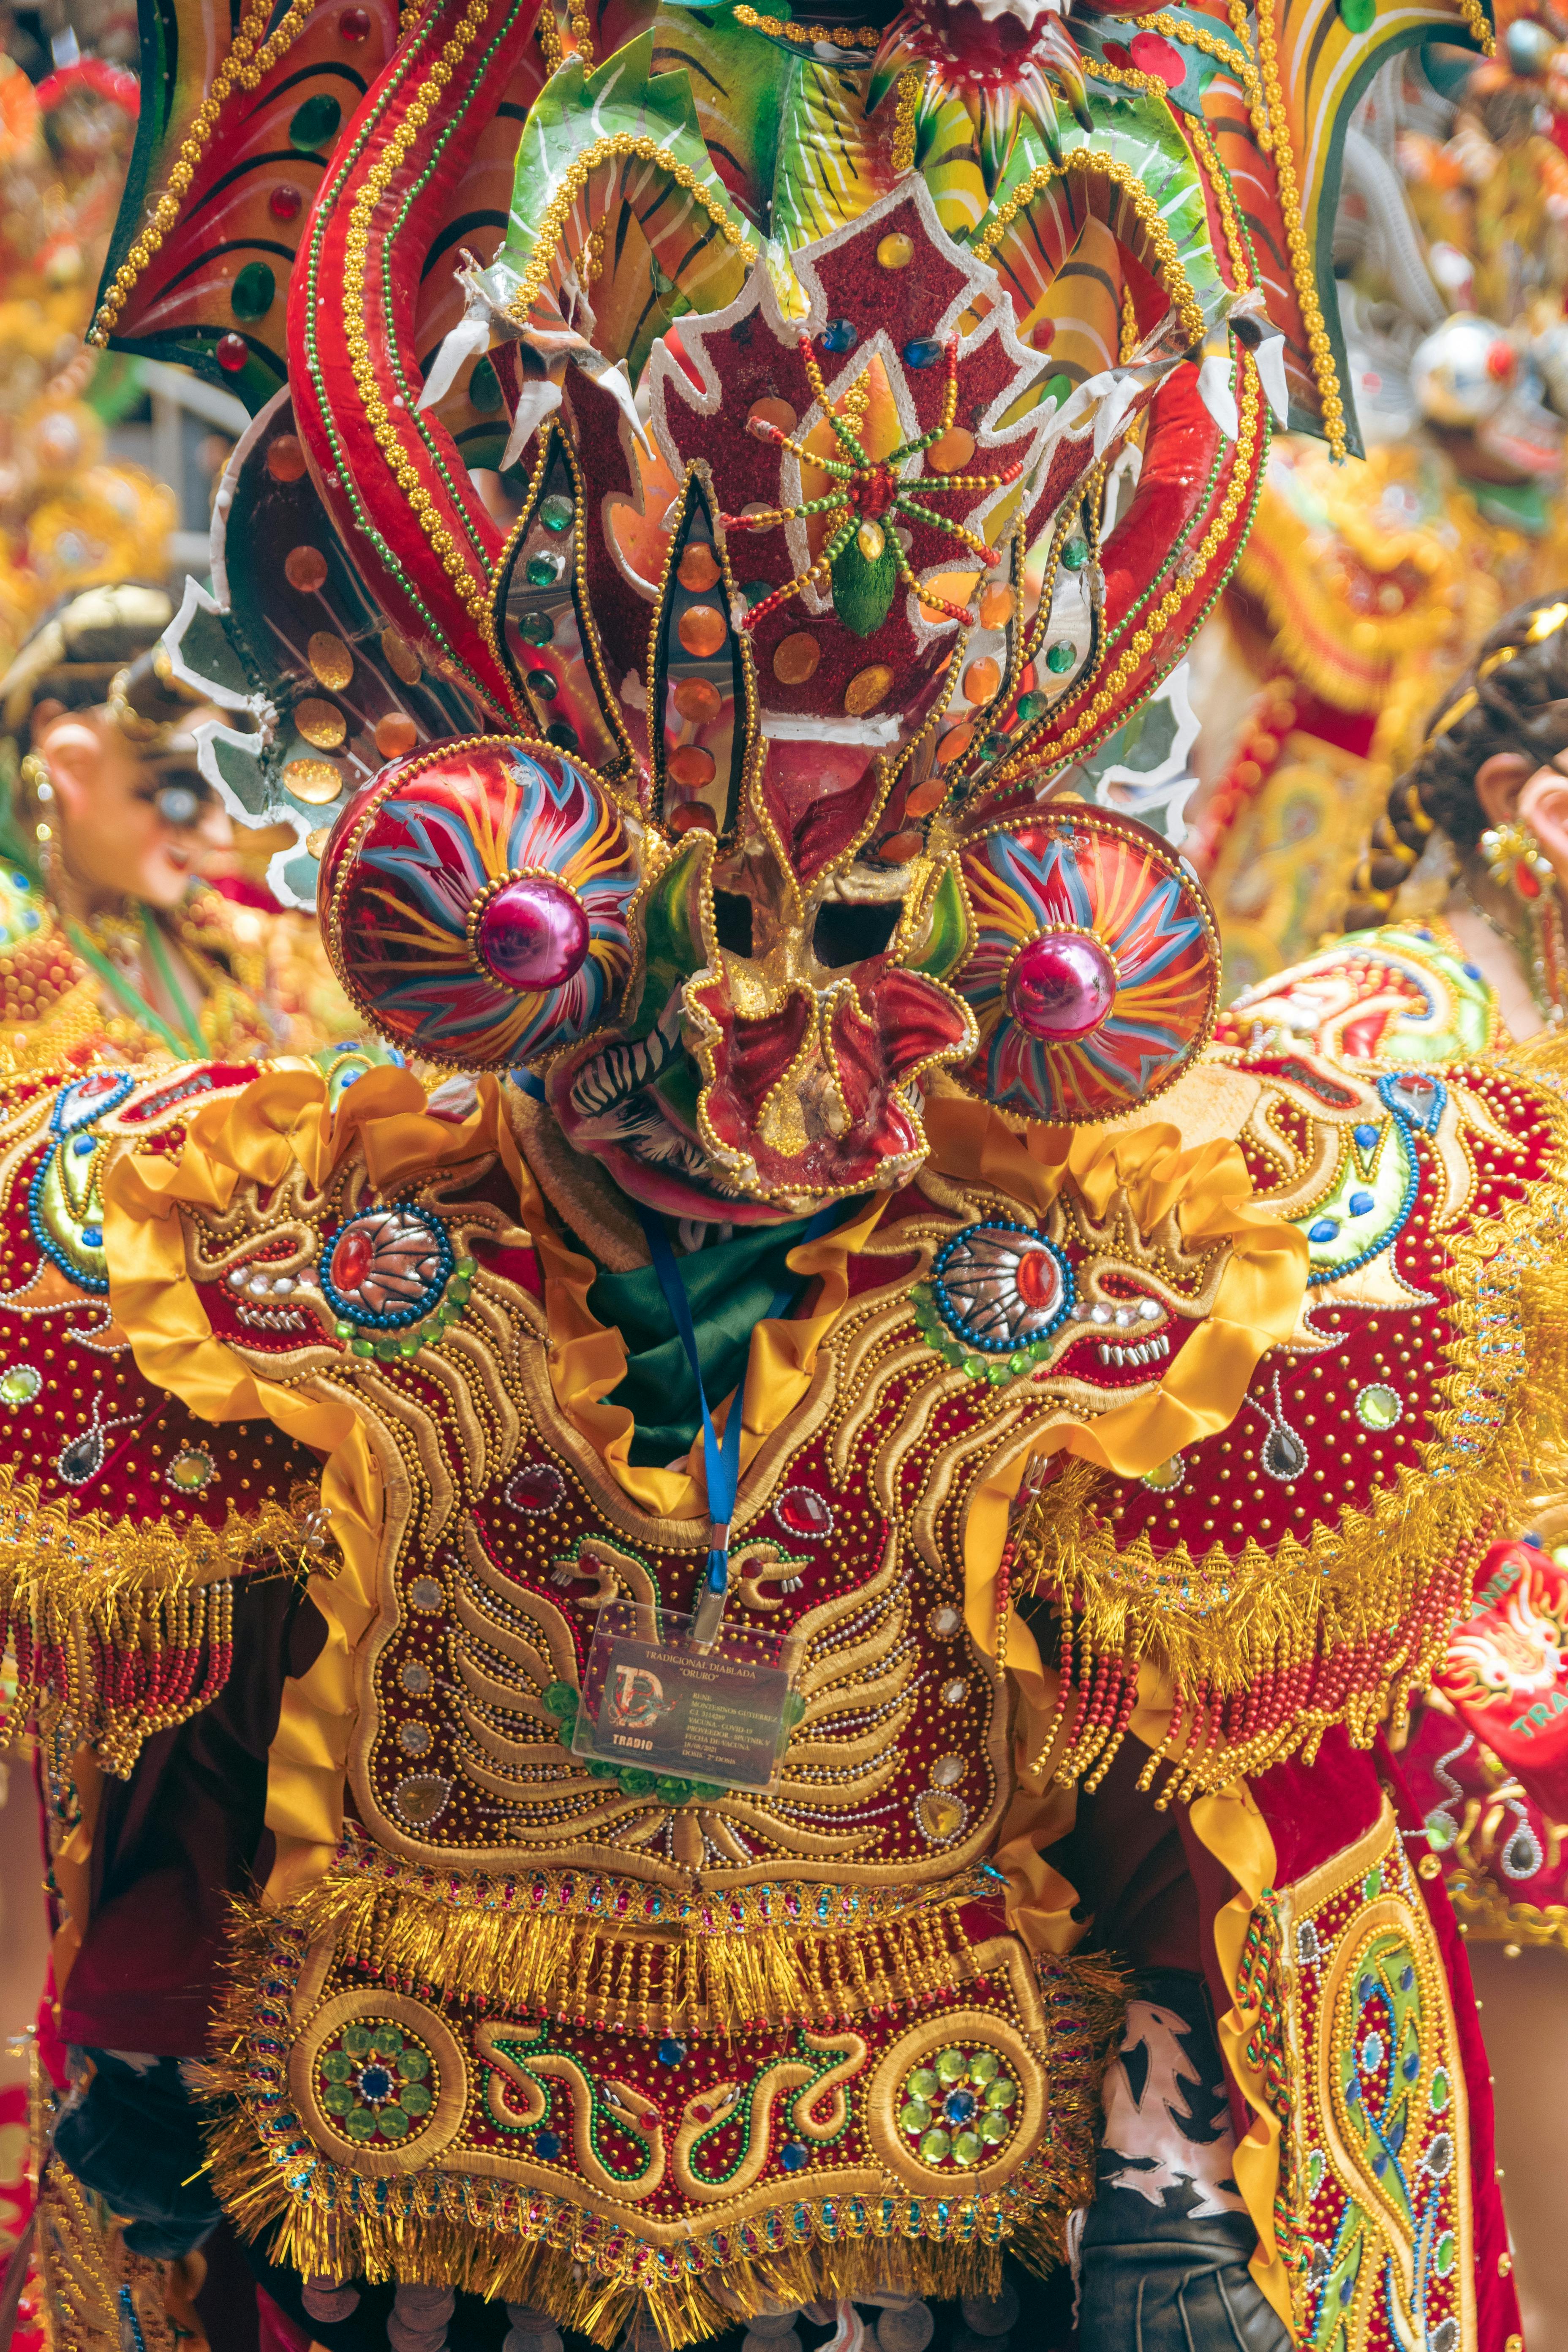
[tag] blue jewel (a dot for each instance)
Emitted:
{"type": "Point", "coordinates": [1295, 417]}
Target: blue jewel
{"type": "Point", "coordinates": [1361, 1202]}
{"type": "Point", "coordinates": [92, 1236]}
{"type": "Point", "coordinates": [29, 919]}
{"type": "Point", "coordinates": [840, 335]}
{"type": "Point", "coordinates": [1411, 2068]}
{"type": "Point", "coordinates": [1323, 1230]}
{"type": "Point", "coordinates": [83, 1146]}
{"type": "Point", "coordinates": [1472, 970]}
{"type": "Point", "coordinates": [923, 352]}
{"type": "Point", "coordinates": [375, 2083]}
{"type": "Point", "coordinates": [792, 2156]}
{"type": "Point", "coordinates": [1365, 1136]}
{"type": "Point", "coordinates": [670, 2053]}
{"type": "Point", "coordinates": [548, 2145]}
{"type": "Point", "coordinates": [958, 2106]}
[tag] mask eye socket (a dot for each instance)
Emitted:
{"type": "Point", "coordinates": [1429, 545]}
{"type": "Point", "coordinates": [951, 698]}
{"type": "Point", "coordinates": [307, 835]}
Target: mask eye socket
{"type": "Point", "coordinates": [732, 921]}
{"type": "Point", "coordinates": [846, 934]}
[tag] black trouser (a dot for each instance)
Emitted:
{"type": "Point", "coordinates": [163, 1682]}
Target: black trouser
{"type": "Point", "coordinates": [1165, 2247]}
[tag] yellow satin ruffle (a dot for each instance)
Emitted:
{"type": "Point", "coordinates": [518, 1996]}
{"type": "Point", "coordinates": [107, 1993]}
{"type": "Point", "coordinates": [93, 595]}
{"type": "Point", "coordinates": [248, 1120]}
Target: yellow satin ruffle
{"type": "Point", "coordinates": [279, 1122]}
{"type": "Point", "coordinates": [1259, 1297]}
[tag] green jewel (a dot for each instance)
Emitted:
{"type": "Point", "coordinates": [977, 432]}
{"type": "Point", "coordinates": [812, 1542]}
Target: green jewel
{"type": "Point", "coordinates": [863, 590]}
{"type": "Point", "coordinates": [252, 292]}
{"type": "Point", "coordinates": [363, 1347]}
{"type": "Point", "coordinates": [537, 629]}
{"type": "Point", "coordinates": [465, 1269]}
{"type": "Point", "coordinates": [1059, 389]}
{"type": "Point", "coordinates": [1444, 2256]}
{"type": "Point", "coordinates": [337, 2099]}
{"type": "Point", "coordinates": [1440, 2091]}
{"type": "Point", "coordinates": [1032, 706]}
{"type": "Point", "coordinates": [1002, 2093]}
{"type": "Point", "coordinates": [994, 2129]}
{"type": "Point", "coordinates": [596, 1770]}
{"type": "Point", "coordinates": [314, 125]}
{"type": "Point", "coordinates": [357, 2041]}
{"type": "Point", "coordinates": [560, 1699]}
{"type": "Point", "coordinates": [361, 2124]}
{"type": "Point", "coordinates": [345, 1330]}
{"type": "Point", "coordinates": [542, 683]}
{"type": "Point", "coordinates": [1059, 658]}
{"type": "Point", "coordinates": [1075, 554]}
{"type": "Point", "coordinates": [1358, 16]}
{"type": "Point", "coordinates": [993, 747]}
{"type": "Point", "coordinates": [983, 2066]}
{"type": "Point", "coordinates": [915, 2118]}
{"type": "Point", "coordinates": [996, 1373]}
{"type": "Point", "coordinates": [386, 2042]}
{"type": "Point", "coordinates": [21, 1384]}
{"type": "Point", "coordinates": [414, 2063]}
{"type": "Point", "coordinates": [484, 388]}
{"type": "Point", "coordinates": [923, 2083]}
{"type": "Point", "coordinates": [544, 570]}
{"type": "Point", "coordinates": [1018, 1364]}
{"type": "Point", "coordinates": [414, 2099]}
{"type": "Point", "coordinates": [392, 2124]}
{"type": "Point", "coordinates": [951, 2065]}
{"type": "Point", "coordinates": [934, 2148]}
{"type": "Point", "coordinates": [336, 2066]}
{"type": "Point", "coordinates": [388, 1348]}
{"type": "Point", "coordinates": [555, 512]}
{"type": "Point", "coordinates": [671, 1791]}
{"type": "Point", "coordinates": [637, 1783]}
{"type": "Point", "coordinates": [410, 1343]}
{"type": "Point", "coordinates": [1314, 2172]}
{"type": "Point", "coordinates": [975, 1368]}
{"type": "Point", "coordinates": [709, 1792]}
{"type": "Point", "coordinates": [967, 2148]}
{"type": "Point", "coordinates": [1372, 1885]}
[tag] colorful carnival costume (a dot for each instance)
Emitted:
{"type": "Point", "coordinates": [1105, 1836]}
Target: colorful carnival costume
{"type": "Point", "coordinates": [846, 1435]}
{"type": "Point", "coordinates": [1364, 587]}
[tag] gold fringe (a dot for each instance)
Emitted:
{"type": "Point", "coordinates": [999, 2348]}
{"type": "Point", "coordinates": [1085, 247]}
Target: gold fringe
{"type": "Point", "coordinates": [129, 1625]}
{"type": "Point", "coordinates": [1267, 1650]}
{"type": "Point", "coordinates": [504, 2242]}
{"type": "Point", "coordinates": [711, 1964]}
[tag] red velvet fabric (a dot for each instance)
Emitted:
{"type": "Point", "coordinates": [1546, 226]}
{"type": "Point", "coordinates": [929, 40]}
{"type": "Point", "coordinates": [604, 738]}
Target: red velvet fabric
{"type": "Point", "coordinates": [1497, 2305]}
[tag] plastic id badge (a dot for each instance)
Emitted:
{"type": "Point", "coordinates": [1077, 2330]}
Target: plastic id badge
{"type": "Point", "coordinates": [717, 1713]}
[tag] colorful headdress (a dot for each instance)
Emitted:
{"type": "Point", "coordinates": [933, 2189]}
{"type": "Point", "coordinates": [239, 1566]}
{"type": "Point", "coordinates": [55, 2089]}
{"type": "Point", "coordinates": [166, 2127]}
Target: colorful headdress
{"type": "Point", "coordinates": [893, 400]}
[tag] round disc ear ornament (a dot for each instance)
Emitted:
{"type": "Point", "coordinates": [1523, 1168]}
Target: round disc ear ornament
{"type": "Point", "coordinates": [1093, 970]}
{"type": "Point", "coordinates": [475, 902]}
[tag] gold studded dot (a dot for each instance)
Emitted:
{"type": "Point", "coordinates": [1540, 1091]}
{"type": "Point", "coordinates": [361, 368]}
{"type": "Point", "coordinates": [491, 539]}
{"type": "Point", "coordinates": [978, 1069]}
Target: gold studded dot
{"type": "Point", "coordinates": [329, 659]}
{"type": "Point", "coordinates": [320, 723]}
{"type": "Point", "coordinates": [316, 782]}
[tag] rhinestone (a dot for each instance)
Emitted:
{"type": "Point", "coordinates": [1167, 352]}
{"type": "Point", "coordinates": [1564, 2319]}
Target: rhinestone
{"type": "Point", "coordinates": [305, 568]}
{"type": "Point", "coordinates": [840, 335]}
{"type": "Point", "coordinates": [795, 659]}
{"type": "Point", "coordinates": [923, 352]}
{"type": "Point", "coordinates": [555, 512]}
{"type": "Point", "coordinates": [954, 1692]}
{"type": "Point", "coordinates": [1059, 658]}
{"type": "Point", "coordinates": [897, 251]}
{"type": "Point", "coordinates": [699, 568]}
{"type": "Point", "coordinates": [803, 1514]}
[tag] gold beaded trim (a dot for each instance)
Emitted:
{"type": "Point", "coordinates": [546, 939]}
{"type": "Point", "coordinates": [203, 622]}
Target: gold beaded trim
{"type": "Point", "coordinates": [841, 35]}
{"type": "Point", "coordinates": [1142, 645]}
{"type": "Point", "coordinates": [475, 593]}
{"type": "Point", "coordinates": [1318, 344]}
{"type": "Point", "coordinates": [575, 179]}
{"type": "Point", "coordinates": [1237, 61]}
{"type": "Point", "coordinates": [549, 36]}
{"type": "Point", "coordinates": [905, 108]}
{"type": "Point", "coordinates": [1476, 25]}
{"type": "Point", "coordinates": [1224, 204]}
{"type": "Point", "coordinates": [1162, 244]}
{"type": "Point", "coordinates": [244, 67]}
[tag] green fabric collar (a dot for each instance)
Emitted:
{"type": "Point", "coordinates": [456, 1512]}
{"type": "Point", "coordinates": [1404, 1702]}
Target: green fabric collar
{"type": "Point", "coordinates": [730, 1284]}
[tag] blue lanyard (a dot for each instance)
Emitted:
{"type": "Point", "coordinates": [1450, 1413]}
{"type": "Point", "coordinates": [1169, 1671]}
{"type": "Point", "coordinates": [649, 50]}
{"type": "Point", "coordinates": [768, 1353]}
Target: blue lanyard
{"type": "Point", "coordinates": [721, 1457]}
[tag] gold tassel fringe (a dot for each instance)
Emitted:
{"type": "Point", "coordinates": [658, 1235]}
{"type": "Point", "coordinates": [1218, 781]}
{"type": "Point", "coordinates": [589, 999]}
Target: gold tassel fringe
{"type": "Point", "coordinates": [505, 2242]}
{"type": "Point", "coordinates": [1265, 1650]}
{"type": "Point", "coordinates": [127, 1625]}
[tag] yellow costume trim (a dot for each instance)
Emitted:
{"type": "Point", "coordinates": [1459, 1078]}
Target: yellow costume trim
{"type": "Point", "coordinates": [1221, 1622]}
{"type": "Point", "coordinates": [587, 1361]}
{"type": "Point", "coordinates": [279, 1122]}
{"type": "Point", "coordinates": [1230, 1826]}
